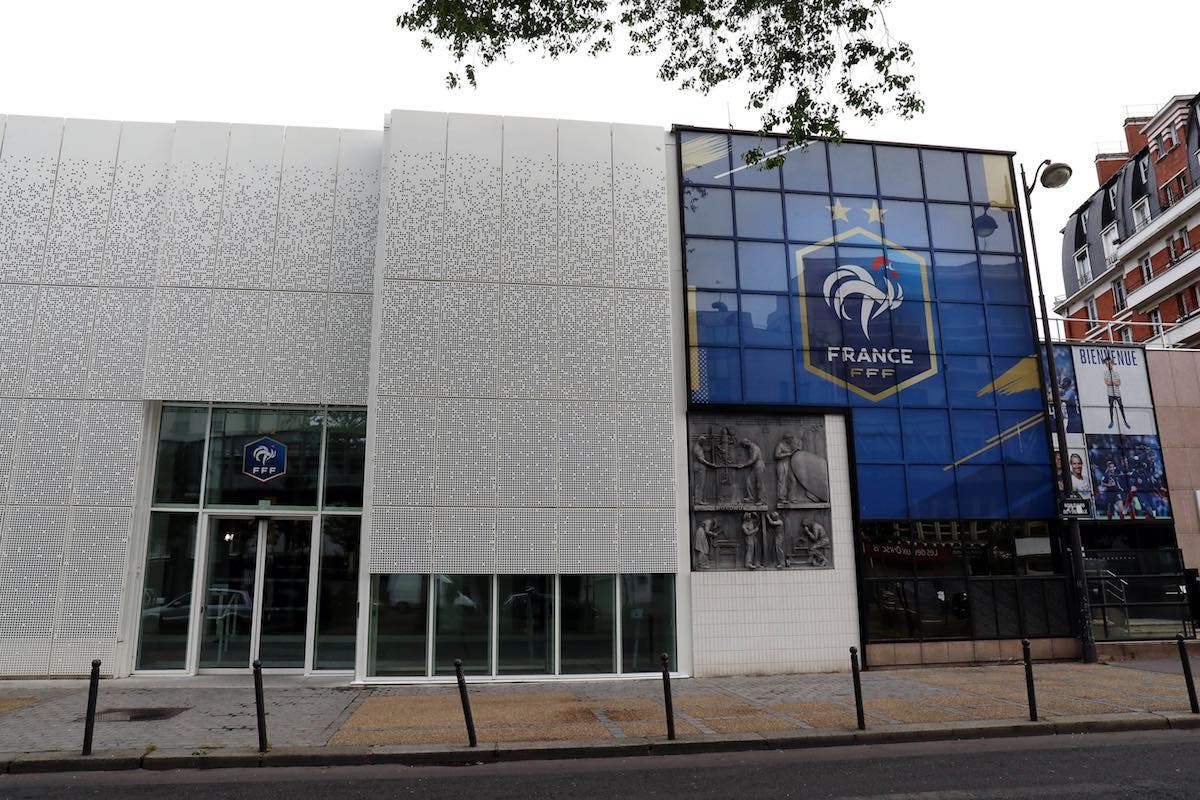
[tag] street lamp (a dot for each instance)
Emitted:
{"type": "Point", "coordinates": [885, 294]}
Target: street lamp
{"type": "Point", "coordinates": [1054, 175]}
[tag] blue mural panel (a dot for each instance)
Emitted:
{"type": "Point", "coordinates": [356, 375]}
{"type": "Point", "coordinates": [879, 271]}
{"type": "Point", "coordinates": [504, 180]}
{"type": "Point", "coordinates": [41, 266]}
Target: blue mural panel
{"type": "Point", "coordinates": [885, 279]}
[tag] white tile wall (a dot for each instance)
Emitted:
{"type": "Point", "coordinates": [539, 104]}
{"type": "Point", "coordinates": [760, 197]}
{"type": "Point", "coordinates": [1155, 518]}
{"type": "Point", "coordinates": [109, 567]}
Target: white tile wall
{"type": "Point", "coordinates": [767, 622]}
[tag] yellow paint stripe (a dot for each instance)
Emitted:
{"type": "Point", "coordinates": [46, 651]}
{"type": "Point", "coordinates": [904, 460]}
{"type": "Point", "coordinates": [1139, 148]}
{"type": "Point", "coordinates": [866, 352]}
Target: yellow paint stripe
{"type": "Point", "coordinates": [1000, 438]}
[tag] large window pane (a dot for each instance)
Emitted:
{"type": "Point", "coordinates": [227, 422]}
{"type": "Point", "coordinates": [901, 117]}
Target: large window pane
{"type": "Point", "coordinates": [167, 591]}
{"type": "Point", "coordinates": [526, 624]}
{"type": "Point", "coordinates": [710, 264]}
{"type": "Point", "coordinates": [235, 428]}
{"type": "Point", "coordinates": [180, 455]}
{"type": "Point", "coordinates": [647, 621]}
{"type": "Point", "coordinates": [588, 624]}
{"type": "Point", "coordinates": [229, 603]}
{"type": "Point", "coordinates": [345, 454]}
{"type": "Point", "coordinates": [463, 624]}
{"type": "Point", "coordinates": [284, 605]}
{"type": "Point", "coordinates": [337, 593]}
{"type": "Point", "coordinates": [399, 613]}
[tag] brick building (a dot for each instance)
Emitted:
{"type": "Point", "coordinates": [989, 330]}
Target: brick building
{"type": "Point", "coordinates": [1131, 252]}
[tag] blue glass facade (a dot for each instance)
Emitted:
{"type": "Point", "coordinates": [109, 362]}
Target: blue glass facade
{"type": "Point", "coordinates": [885, 279]}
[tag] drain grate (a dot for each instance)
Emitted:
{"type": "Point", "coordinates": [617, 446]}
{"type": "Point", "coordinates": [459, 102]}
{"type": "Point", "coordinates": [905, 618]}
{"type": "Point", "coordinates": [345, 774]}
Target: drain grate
{"type": "Point", "coordinates": [136, 714]}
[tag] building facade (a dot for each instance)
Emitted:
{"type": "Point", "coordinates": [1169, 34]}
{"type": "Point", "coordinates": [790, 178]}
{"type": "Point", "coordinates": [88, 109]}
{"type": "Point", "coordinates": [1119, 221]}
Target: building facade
{"type": "Point", "coordinates": [551, 397]}
{"type": "Point", "coordinates": [1129, 252]}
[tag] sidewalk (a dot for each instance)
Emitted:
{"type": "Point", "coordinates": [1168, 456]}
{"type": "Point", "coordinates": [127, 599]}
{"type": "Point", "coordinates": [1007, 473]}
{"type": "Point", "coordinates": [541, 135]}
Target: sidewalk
{"type": "Point", "coordinates": [211, 720]}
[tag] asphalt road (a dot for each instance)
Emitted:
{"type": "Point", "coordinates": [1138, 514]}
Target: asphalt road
{"type": "Point", "coordinates": [1159, 764]}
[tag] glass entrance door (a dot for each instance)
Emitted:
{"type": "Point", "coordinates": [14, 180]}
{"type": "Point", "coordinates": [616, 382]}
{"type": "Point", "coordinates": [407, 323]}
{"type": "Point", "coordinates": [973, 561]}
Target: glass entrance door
{"type": "Point", "coordinates": [255, 593]}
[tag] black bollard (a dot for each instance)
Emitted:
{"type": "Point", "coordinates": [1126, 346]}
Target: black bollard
{"type": "Point", "coordinates": [466, 702]}
{"type": "Point", "coordinates": [666, 666]}
{"type": "Point", "coordinates": [858, 703]}
{"type": "Point", "coordinates": [259, 707]}
{"type": "Point", "coordinates": [89, 722]}
{"type": "Point", "coordinates": [1187, 673]}
{"type": "Point", "coordinates": [1029, 681]}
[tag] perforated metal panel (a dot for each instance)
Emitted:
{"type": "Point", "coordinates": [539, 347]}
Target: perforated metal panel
{"type": "Point", "coordinates": [136, 217]}
{"type": "Point", "coordinates": [304, 240]}
{"type": "Point", "coordinates": [295, 348]}
{"type": "Point", "coordinates": [645, 448]}
{"type": "Point", "coordinates": [473, 187]}
{"type": "Point", "coordinates": [527, 362]}
{"type": "Point", "coordinates": [177, 365]}
{"type": "Point", "coordinates": [237, 343]}
{"type": "Point", "coordinates": [356, 213]}
{"type": "Point", "coordinates": [587, 455]}
{"type": "Point", "coordinates": [117, 362]}
{"type": "Point", "coordinates": [586, 346]}
{"type": "Point", "coordinates": [528, 357]}
{"type": "Point", "coordinates": [192, 214]}
{"type": "Point", "coordinates": [466, 452]}
{"type": "Point", "coordinates": [92, 572]}
{"type": "Point", "coordinates": [30, 561]}
{"type": "Point", "coordinates": [25, 655]}
{"type": "Point", "coordinates": [106, 462]}
{"type": "Point", "coordinates": [18, 307]}
{"type": "Point", "coordinates": [529, 226]}
{"type": "Point", "coordinates": [28, 161]}
{"type": "Point", "coordinates": [402, 540]}
{"type": "Point", "coordinates": [526, 541]}
{"type": "Point", "coordinates": [249, 207]}
{"type": "Point", "coordinates": [408, 338]}
{"type": "Point", "coordinates": [588, 541]}
{"type": "Point", "coordinates": [585, 214]}
{"type": "Point", "coordinates": [82, 196]}
{"type": "Point", "coordinates": [643, 345]}
{"type": "Point", "coordinates": [44, 457]}
{"type": "Point", "coordinates": [468, 334]}
{"type": "Point", "coordinates": [527, 442]}
{"type": "Point", "coordinates": [647, 540]}
{"type": "Point", "coordinates": [404, 431]}
{"type": "Point", "coordinates": [464, 540]}
{"type": "Point", "coordinates": [640, 207]}
{"type": "Point", "coordinates": [416, 196]}
{"type": "Point", "coordinates": [58, 348]}
{"type": "Point", "coordinates": [10, 420]}
{"type": "Point", "coordinates": [348, 343]}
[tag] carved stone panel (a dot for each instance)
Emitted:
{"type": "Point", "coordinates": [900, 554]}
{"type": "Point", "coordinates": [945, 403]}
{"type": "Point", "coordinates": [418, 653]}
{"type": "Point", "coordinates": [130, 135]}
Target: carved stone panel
{"type": "Point", "coordinates": [759, 492]}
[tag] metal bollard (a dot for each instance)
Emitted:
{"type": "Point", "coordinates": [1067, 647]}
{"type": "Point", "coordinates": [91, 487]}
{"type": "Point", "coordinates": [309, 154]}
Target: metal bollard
{"type": "Point", "coordinates": [1187, 673]}
{"type": "Point", "coordinates": [466, 702]}
{"type": "Point", "coordinates": [89, 723]}
{"type": "Point", "coordinates": [259, 707]}
{"type": "Point", "coordinates": [1029, 681]}
{"type": "Point", "coordinates": [666, 669]}
{"type": "Point", "coordinates": [858, 701]}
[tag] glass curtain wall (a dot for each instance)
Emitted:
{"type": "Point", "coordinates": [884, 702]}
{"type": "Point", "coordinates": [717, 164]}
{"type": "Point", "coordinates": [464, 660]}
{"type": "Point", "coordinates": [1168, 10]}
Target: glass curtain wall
{"type": "Point", "coordinates": [313, 459]}
{"type": "Point", "coordinates": [962, 579]}
{"type": "Point", "coordinates": [520, 624]}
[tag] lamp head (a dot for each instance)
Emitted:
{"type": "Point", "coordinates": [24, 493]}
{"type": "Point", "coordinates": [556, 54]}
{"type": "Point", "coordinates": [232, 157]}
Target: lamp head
{"type": "Point", "coordinates": [1055, 175]}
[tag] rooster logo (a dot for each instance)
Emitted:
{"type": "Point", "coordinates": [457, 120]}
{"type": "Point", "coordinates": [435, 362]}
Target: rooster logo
{"type": "Point", "coordinates": [262, 454]}
{"type": "Point", "coordinates": [849, 282]}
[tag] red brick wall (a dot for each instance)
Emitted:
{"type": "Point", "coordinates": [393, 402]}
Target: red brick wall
{"type": "Point", "coordinates": [1134, 139]}
{"type": "Point", "coordinates": [1168, 164]}
{"type": "Point", "coordinates": [1107, 167]}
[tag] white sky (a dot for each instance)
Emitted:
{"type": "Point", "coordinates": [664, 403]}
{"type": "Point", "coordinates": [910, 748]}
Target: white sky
{"type": "Point", "coordinates": [1046, 78]}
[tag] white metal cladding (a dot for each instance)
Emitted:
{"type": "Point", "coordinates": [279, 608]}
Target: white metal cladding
{"type": "Point", "coordinates": [150, 261]}
{"type": "Point", "coordinates": [523, 344]}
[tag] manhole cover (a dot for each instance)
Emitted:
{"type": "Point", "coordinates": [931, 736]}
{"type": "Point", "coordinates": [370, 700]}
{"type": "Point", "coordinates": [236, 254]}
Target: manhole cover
{"type": "Point", "coordinates": [136, 714]}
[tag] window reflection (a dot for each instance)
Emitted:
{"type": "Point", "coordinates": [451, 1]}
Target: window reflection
{"type": "Point", "coordinates": [167, 591]}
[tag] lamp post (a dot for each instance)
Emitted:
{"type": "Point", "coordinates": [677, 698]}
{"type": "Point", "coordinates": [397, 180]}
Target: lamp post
{"type": "Point", "coordinates": [1054, 176]}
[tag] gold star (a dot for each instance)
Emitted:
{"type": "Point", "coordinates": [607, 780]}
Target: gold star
{"type": "Point", "coordinates": [875, 213]}
{"type": "Point", "coordinates": [840, 212]}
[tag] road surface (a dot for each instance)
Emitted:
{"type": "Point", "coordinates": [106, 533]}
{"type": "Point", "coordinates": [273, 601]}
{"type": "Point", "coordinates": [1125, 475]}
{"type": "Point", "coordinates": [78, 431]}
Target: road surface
{"type": "Point", "coordinates": [1156, 764]}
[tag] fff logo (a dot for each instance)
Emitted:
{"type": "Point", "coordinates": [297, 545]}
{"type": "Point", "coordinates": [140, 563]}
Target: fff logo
{"type": "Point", "coordinates": [264, 459]}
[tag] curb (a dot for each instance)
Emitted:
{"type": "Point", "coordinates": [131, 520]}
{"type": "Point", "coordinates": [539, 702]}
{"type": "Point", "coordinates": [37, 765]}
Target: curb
{"type": "Point", "coordinates": [494, 752]}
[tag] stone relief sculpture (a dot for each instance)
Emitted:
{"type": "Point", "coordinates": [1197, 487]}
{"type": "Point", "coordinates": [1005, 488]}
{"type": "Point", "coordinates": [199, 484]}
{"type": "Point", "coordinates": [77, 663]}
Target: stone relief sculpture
{"type": "Point", "coordinates": [738, 522]}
